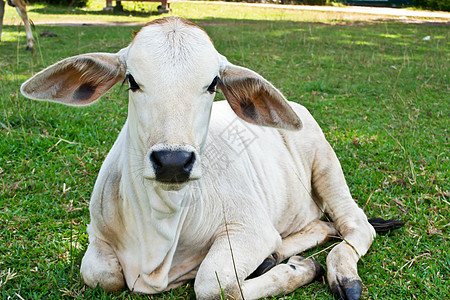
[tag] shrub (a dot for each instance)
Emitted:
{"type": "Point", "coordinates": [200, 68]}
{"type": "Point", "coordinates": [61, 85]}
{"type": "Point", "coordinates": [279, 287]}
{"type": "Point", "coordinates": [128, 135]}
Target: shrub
{"type": "Point", "coordinates": [433, 4]}
{"type": "Point", "coordinates": [312, 2]}
{"type": "Point", "coordinates": [71, 3]}
{"type": "Point", "coordinates": [305, 2]}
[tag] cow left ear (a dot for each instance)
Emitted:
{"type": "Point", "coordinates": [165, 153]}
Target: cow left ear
{"type": "Point", "coordinates": [256, 100]}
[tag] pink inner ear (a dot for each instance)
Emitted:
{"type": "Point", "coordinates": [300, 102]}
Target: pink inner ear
{"type": "Point", "coordinates": [88, 92]}
{"type": "Point", "coordinates": [72, 87]}
{"type": "Point", "coordinates": [84, 92]}
{"type": "Point", "coordinates": [78, 80]}
{"type": "Point", "coordinates": [73, 84]}
{"type": "Point", "coordinates": [248, 109]}
{"type": "Point", "coordinates": [259, 103]}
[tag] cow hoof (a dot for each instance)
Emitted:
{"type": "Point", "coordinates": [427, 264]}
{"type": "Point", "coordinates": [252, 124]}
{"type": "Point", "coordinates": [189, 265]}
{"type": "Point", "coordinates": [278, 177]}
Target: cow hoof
{"type": "Point", "coordinates": [320, 271]}
{"type": "Point", "coordinates": [347, 289]}
{"type": "Point", "coordinates": [266, 265]}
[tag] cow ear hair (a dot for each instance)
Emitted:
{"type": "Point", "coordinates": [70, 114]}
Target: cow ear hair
{"type": "Point", "coordinates": [77, 80]}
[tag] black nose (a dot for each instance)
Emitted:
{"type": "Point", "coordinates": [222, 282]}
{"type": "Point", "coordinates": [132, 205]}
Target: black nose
{"type": "Point", "coordinates": [172, 166]}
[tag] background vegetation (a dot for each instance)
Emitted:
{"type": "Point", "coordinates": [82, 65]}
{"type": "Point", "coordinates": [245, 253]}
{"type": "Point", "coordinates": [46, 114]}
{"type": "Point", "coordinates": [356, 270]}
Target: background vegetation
{"type": "Point", "coordinates": [433, 4]}
{"type": "Point", "coordinates": [71, 3]}
{"type": "Point", "coordinates": [379, 89]}
{"type": "Point", "coordinates": [443, 5]}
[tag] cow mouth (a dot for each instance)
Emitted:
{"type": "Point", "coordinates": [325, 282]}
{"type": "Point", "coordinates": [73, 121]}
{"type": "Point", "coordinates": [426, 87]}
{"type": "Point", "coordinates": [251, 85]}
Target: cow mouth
{"type": "Point", "coordinates": [169, 185]}
{"type": "Point", "coordinates": [173, 179]}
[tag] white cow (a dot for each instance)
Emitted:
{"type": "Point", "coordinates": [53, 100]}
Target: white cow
{"type": "Point", "coordinates": [22, 11]}
{"type": "Point", "coordinates": [190, 191]}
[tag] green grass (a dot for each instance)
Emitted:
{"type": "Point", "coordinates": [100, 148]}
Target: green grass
{"type": "Point", "coordinates": [380, 93]}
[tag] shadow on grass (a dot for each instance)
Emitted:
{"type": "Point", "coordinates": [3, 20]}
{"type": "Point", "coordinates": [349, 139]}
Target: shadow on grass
{"type": "Point", "coordinates": [284, 35]}
{"type": "Point", "coordinates": [77, 11]}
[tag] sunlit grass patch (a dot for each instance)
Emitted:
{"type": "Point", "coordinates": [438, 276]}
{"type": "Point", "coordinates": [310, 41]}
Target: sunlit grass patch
{"type": "Point", "coordinates": [11, 36]}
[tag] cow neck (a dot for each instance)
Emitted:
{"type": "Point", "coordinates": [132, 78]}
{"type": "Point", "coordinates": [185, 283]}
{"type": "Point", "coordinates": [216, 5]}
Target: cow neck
{"type": "Point", "coordinates": [159, 215]}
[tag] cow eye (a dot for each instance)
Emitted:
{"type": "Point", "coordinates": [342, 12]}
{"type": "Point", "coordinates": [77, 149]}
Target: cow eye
{"type": "Point", "coordinates": [212, 87]}
{"type": "Point", "coordinates": [132, 83]}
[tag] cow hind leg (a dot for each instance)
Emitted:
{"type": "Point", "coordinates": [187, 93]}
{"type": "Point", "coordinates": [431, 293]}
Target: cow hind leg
{"type": "Point", "coordinates": [271, 278]}
{"type": "Point", "coordinates": [315, 233]}
{"type": "Point", "coordinates": [100, 266]}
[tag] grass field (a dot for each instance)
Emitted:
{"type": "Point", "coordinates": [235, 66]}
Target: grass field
{"type": "Point", "coordinates": [380, 92]}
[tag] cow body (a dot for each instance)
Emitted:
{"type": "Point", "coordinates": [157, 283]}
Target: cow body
{"type": "Point", "coordinates": [246, 186]}
{"type": "Point", "coordinates": [189, 190]}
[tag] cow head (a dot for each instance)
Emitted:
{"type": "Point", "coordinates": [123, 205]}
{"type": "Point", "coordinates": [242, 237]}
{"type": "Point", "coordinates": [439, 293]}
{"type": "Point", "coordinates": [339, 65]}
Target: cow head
{"type": "Point", "coordinates": [173, 71]}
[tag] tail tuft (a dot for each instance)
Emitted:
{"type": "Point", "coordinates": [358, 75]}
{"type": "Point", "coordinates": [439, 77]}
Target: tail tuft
{"type": "Point", "coordinates": [382, 226]}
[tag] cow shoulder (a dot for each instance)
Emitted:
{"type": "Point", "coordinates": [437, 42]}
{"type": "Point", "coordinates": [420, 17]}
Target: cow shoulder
{"type": "Point", "coordinates": [106, 205]}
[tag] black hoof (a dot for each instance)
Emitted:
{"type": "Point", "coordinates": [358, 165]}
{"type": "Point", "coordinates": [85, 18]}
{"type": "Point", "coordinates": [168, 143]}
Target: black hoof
{"type": "Point", "coordinates": [266, 265]}
{"type": "Point", "coordinates": [347, 289]}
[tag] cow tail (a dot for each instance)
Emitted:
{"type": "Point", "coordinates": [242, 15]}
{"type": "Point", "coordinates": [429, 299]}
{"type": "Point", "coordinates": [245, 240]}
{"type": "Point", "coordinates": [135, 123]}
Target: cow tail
{"type": "Point", "coordinates": [383, 226]}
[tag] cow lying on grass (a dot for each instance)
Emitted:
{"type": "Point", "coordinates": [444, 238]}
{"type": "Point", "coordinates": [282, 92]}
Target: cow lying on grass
{"type": "Point", "coordinates": [191, 191]}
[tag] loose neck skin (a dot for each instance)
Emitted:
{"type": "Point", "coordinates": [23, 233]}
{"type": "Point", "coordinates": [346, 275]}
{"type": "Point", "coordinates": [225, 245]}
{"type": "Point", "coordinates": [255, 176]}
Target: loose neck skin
{"type": "Point", "coordinates": [156, 213]}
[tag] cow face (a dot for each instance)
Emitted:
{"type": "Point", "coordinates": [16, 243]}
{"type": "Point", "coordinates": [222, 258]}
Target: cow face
{"type": "Point", "coordinates": [173, 70]}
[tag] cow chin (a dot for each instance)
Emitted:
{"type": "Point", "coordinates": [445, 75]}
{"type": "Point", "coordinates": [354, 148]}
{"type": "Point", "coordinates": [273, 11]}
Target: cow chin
{"type": "Point", "coordinates": [170, 186]}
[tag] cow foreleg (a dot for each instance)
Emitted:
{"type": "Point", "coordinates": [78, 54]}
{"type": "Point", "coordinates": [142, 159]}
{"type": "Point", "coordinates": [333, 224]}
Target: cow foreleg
{"type": "Point", "coordinates": [225, 268]}
{"type": "Point", "coordinates": [217, 270]}
{"type": "Point", "coordinates": [22, 11]}
{"type": "Point", "coordinates": [315, 233]}
{"type": "Point", "coordinates": [283, 278]}
{"type": "Point", "coordinates": [2, 12]}
{"type": "Point", "coordinates": [100, 266]}
{"type": "Point", "coordinates": [357, 234]}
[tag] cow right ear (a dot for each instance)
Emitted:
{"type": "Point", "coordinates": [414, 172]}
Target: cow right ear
{"type": "Point", "coordinates": [77, 80]}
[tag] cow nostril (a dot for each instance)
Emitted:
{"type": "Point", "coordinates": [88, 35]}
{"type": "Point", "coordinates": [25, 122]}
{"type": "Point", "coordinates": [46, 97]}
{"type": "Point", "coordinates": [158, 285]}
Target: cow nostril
{"type": "Point", "coordinates": [190, 163]}
{"type": "Point", "coordinates": [156, 162]}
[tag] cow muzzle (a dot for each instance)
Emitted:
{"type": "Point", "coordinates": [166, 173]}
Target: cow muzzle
{"type": "Point", "coordinates": [172, 166]}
